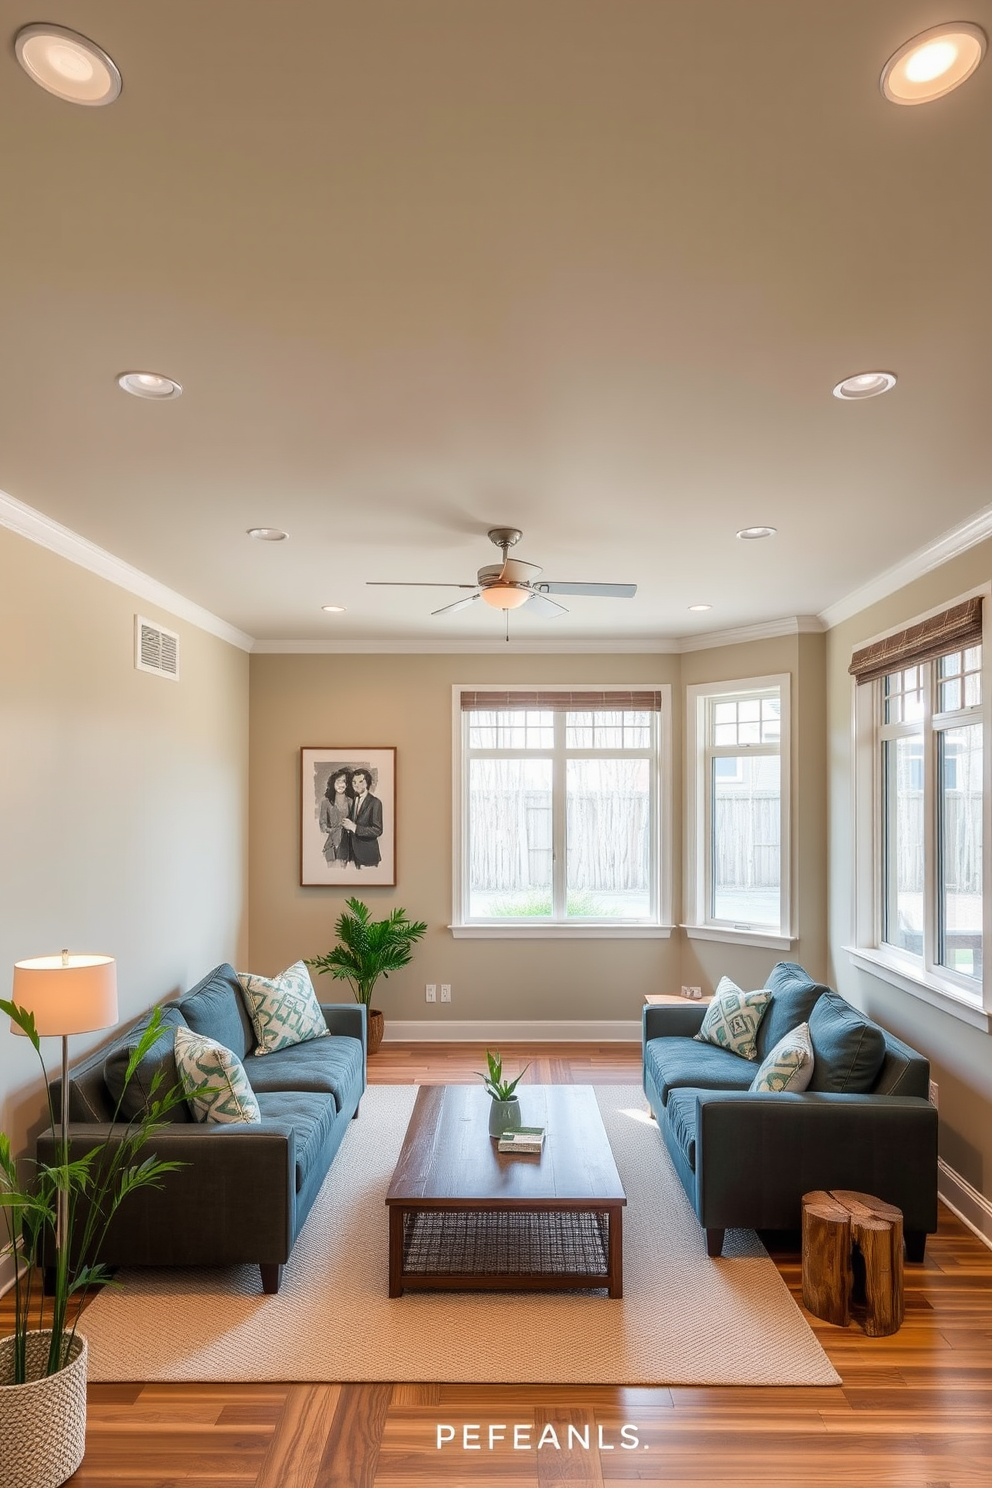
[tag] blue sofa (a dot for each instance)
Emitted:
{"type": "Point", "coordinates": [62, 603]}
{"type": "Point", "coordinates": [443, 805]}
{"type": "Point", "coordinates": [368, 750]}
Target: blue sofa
{"type": "Point", "coordinates": [245, 1191]}
{"type": "Point", "coordinates": [746, 1159]}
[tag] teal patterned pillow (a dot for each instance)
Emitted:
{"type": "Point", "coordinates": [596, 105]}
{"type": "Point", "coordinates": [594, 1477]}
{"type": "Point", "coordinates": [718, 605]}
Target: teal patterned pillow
{"type": "Point", "coordinates": [204, 1065]}
{"type": "Point", "coordinates": [283, 1009]}
{"type": "Point", "coordinates": [789, 1066]}
{"type": "Point", "coordinates": [732, 1019]}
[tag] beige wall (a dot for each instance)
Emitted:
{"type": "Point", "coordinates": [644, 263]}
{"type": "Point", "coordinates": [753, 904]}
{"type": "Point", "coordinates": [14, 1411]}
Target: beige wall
{"type": "Point", "coordinates": [123, 797]}
{"type": "Point", "coordinates": [961, 1056]}
{"type": "Point", "coordinates": [406, 701]}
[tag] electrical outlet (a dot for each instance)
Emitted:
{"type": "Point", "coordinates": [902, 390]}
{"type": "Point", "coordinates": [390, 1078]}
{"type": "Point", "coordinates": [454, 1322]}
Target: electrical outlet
{"type": "Point", "coordinates": [692, 992]}
{"type": "Point", "coordinates": [431, 988]}
{"type": "Point", "coordinates": [445, 991]}
{"type": "Point", "coordinates": [934, 1094]}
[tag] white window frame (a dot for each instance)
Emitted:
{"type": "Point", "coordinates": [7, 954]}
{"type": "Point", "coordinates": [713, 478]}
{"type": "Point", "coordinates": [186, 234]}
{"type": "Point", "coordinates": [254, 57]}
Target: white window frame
{"type": "Point", "coordinates": [937, 985]}
{"type": "Point", "coordinates": [658, 927]}
{"type": "Point", "coordinates": [699, 923]}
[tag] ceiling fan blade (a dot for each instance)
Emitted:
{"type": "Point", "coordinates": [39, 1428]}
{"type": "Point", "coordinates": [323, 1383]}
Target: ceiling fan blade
{"type": "Point", "coordinates": [412, 584]}
{"type": "Point", "coordinates": [459, 604]}
{"type": "Point", "coordinates": [540, 604]}
{"type": "Point", "coordinates": [605, 591]}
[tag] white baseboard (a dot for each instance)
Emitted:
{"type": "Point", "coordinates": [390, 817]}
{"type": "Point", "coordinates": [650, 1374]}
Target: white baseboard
{"type": "Point", "coordinates": [486, 1031]}
{"type": "Point", "coordinates": [970, 1206]}
{"type": "Point", "coordinates": [6, 1270]}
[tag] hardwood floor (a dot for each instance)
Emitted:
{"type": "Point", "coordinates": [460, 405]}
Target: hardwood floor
{"type": "Point", "coordinates": [914, 1410]}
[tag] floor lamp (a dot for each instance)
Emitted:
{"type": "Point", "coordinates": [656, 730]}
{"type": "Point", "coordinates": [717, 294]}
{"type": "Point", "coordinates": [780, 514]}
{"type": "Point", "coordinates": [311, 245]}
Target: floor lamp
{"type": "Point", "coordinates": [67, 994]}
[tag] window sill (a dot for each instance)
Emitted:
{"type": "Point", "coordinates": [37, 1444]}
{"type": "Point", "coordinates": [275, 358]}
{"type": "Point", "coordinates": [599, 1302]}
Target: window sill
{"type": "Point", "coordinates": [920, 984]}
{"type": "Point", "coordinates": [550, 931]}
{"type": "Point", "coordinates": [766, 939]}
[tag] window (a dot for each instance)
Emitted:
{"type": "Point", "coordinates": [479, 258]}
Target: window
{"type": "Point", "coordinates": [921, 722]}
{"type": "Point", "coordinates": [737, 848]}
{"type": "Point", "coordinates": [559, 821]}
{"type": "Point", "coordinates": [931, 731]}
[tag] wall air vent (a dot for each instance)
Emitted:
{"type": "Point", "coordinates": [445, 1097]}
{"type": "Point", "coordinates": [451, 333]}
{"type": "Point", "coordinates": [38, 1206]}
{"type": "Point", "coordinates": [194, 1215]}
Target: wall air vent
{"type": "Point", "coordinates": [155, 650]}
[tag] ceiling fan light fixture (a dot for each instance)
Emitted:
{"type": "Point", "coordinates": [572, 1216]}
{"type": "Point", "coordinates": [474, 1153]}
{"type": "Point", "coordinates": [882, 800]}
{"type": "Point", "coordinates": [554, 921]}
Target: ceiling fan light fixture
{"type": "Point", "coordinates": [933, 63]}
{"type": "Point", "coordinates": [864, 385]}
{"type": "Point", "coordinates": [505, 596]}
{"type": "Point", "coordinates": [68, 65]}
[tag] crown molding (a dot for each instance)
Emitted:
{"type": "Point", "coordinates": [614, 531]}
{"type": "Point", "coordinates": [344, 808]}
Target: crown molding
{"type": "Point", "coordinates": [949, 545]}
{"type": "Point", "coordinates": [659, 646]}
{"type": "Point", "coordinates": [763, 630]}
{"type": "Point", "coordinates": [618, 647]}
{"type": "Point", "coordinates": [37, 528]}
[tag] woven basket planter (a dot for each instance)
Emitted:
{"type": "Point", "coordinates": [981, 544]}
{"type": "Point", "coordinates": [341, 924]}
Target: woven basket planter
{"type": "Point", "coordinates": [42, 1422]}
{"type": "Point", "coordinates": [376, 1026]}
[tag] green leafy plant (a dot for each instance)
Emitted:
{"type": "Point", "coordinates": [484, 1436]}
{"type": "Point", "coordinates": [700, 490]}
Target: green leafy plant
{"type": "Point", "coordinates": [369, 949]}
{"type": "Point", "coordinates": [94, 1185]}
{"type": "Point", "coordinates": [498, 1088]}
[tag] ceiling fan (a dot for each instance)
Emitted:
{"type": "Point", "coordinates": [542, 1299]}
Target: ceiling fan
{"type": "Point", "coordinates": [512, 583]}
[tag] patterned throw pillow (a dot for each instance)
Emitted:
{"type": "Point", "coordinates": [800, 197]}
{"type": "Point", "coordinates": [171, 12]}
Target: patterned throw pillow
{"type": "Point", "coordinates": [789, 1066]}
{"type": "Point", "coordinates": [203, 1065]}
{"type": "Point", "coordinates": [732, 1019]}
{"type": "Point", "coordinates": [283, 1009]}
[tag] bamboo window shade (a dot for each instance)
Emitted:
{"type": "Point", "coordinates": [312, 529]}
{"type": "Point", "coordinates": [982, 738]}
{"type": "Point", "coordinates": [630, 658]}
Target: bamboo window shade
{"type": "Point", "coordinates": [520, 700]}
{"type": "Point", "coordinates": [951, 630]}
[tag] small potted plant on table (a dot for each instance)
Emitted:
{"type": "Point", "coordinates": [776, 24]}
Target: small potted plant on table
{"type": "Point", "coordinates": [504, 1113]}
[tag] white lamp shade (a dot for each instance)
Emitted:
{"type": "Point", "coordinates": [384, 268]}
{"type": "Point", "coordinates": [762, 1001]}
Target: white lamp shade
{"type": "Point", "coordinates": [67, 994]}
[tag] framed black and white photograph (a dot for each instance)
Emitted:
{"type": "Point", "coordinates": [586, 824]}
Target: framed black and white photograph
{"type": "Point", "coordinates": [348, 829]}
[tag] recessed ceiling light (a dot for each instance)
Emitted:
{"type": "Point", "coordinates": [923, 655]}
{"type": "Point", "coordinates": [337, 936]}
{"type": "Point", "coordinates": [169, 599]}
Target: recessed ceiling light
{"type": "Point", "coordinates": [68, 65]}
{"type": "Point", "coordinates": [933, 63]}
{"type": "Point", "coordinates": [267, 534]}
{"type": "Point", "coordinates": [864, 385]}
{"type": "Point", "coordinates": [333, 609]}
{"type": "Point", "coordinates": [698, 609]}
{"type": "Point", "coordinates": [150, 385]}
{"type": "Point", "coordinates": [751, 534]}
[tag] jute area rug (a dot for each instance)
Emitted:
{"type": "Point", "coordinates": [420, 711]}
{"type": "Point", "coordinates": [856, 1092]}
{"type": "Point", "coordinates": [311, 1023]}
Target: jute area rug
{"type": "Point", "coordinates": [683, 1319]}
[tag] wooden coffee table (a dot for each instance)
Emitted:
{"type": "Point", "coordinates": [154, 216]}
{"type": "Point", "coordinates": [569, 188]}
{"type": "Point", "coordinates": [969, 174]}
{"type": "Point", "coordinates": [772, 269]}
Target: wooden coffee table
{"type": "Point", "coordinates": [465, 1217]}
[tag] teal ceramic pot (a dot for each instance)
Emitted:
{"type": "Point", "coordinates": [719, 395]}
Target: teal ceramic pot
{"type": "Point", "coordinates": [504, 1116]}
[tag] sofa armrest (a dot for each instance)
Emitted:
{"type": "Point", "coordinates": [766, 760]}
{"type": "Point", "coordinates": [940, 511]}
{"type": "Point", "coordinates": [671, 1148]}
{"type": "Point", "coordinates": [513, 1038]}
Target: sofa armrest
{"type": "Point", "coordinates": [347, 1018]}
{"type": "Point", "coordinates": [757, 1154]}
{"type": "Point", "coordinates": [233, 1201]}
{"type": "Point", "coordinates": [672, 1022]}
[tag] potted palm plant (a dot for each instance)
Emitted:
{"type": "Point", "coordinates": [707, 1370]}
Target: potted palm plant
{"type": "Point", "coordinates": [57, 1216]}
{"type": "Point", "coordinates": [504, 1113]}
{"type": "Point", "coordinates": [369, 949]}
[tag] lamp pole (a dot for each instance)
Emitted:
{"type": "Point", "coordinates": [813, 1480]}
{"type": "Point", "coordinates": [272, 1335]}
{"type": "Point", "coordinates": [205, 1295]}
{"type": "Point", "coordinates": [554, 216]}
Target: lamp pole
{"type": "Point", "coordinates": [66, 994]}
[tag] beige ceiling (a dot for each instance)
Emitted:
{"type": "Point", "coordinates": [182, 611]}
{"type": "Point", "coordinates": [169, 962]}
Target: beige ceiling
{"type": "Point", "coordinates": [587, 267]}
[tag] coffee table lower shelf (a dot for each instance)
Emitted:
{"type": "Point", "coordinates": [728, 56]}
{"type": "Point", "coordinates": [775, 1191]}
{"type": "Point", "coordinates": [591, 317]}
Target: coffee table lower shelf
{"type": "Point", "coordinates": [521, 1248]}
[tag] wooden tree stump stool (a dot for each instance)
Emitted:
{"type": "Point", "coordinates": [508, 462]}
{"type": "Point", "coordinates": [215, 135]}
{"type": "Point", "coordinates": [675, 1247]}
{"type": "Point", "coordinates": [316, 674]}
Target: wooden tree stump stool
{"type": "Point", "coordinates": [852, 1260]}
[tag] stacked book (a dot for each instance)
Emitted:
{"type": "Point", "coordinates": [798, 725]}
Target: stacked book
{"type": "Point", "coordinates": [523, 1139]}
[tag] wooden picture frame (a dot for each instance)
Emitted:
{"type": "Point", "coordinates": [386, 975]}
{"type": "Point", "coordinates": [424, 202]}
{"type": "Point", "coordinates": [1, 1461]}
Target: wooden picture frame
{"type": "Point", "coordinates": [347, 832]}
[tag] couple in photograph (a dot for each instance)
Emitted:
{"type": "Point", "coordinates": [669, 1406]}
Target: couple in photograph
{"type": "Point", "coordinates": [351, 817]}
